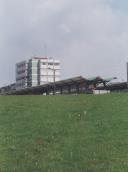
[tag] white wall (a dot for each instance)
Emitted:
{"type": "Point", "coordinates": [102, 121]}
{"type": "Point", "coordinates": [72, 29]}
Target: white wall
{"type": "Point", "coordinates": [101, 92]}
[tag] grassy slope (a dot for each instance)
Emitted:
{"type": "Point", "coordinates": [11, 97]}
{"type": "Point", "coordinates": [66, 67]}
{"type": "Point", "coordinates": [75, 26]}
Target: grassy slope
{"type": "Point", "coordinates": [64, 133]}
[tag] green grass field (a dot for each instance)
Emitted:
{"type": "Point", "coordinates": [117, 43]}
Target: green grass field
{"type": "Point", "coordinates": [83, 133]}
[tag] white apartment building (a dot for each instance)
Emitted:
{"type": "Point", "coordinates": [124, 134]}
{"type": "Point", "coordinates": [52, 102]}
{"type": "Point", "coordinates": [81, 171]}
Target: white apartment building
{"type": "Point", "coordinates": [37, 71]}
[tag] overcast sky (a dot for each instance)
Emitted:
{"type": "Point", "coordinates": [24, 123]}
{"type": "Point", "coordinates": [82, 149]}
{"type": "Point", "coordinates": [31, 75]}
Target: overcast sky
{"type": "Point", "coordinates": [90, 37]}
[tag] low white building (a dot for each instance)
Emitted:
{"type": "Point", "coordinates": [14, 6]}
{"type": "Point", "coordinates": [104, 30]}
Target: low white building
{"type": "Point", "coordinates": [37, 71]}
{"type": "Point", "coordinates": [101, 91]}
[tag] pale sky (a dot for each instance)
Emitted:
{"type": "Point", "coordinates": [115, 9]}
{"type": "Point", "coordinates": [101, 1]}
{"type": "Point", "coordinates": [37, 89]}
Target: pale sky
{"type": "Point", "coordinates": [90, 37]}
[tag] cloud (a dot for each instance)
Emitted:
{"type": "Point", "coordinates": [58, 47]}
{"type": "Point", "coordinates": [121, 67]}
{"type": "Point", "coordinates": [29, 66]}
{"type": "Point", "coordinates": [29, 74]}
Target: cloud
{"type": "Point", "coordinates": [90, 37]}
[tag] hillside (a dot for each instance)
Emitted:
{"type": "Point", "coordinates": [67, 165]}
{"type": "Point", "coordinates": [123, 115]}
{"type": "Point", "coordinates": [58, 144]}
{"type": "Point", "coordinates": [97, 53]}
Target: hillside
{"type": "Point", "coordinates": [83, 133]}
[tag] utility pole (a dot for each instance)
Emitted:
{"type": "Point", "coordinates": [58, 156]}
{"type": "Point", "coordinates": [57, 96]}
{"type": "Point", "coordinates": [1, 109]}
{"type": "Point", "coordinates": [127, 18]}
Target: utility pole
{"type": "Point", "coordinates": [54, 72]}
{"type": "Point", "coordinates": [54, 80]}
{"type": "Point", "coordinates": [127, 72]}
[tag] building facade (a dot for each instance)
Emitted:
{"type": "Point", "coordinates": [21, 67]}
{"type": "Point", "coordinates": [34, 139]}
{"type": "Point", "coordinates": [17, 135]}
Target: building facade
{"type": "Point", "coordinates": [21, 75]}
{"type": "Point", "coordinates": [37, 71]}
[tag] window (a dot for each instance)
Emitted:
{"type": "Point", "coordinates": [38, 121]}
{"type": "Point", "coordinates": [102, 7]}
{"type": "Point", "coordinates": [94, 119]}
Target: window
{"type": "Point", "coordinates": [34, 64]}
{"type": "Point", "coordinates": [50, 63]}
{"type": "Point", "coordinates": [34, 77]}
{"type": "Point", "coordinates": [34, 71]}
{"type": "Point", "coordinates": [56, 64]}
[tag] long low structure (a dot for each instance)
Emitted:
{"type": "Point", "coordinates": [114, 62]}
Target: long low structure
{"type": "Point", "coordinates": [69, 86]}
{"type": "Point", "coordinates": [115, 87]}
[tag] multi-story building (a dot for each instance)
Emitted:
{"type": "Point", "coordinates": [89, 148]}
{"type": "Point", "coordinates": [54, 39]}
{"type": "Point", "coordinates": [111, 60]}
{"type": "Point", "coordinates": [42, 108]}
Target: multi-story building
{"type": "Point", "coordinates": [37, 71]}
{"type": "Point", "coordinates": [21, 75]}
